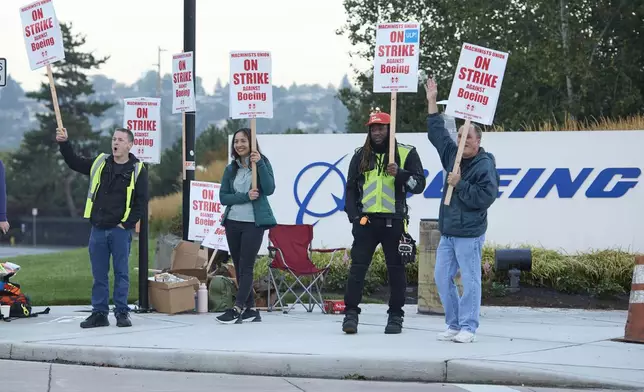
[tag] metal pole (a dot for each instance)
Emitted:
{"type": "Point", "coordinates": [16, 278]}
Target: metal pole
{"type": "Point", "coordinates": [189, 33]}
{"type": "Point", "coordinates": [143, 256]}
{"type": "Point", "coordinates": [34, 216]}
{"type": "Point", "coordinates": [158, 64]}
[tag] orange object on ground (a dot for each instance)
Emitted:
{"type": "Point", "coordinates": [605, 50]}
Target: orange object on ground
{"type": "Point", "coordinates": [634, 331]}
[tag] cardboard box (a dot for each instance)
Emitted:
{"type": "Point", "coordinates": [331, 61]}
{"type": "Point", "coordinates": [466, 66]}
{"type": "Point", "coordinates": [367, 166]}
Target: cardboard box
{"type": "Point", "coordinates": [189, 259]}
{"type": "Point", "coordinates": [173, 298]}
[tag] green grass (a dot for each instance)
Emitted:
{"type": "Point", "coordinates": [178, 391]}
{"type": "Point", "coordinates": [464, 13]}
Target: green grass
{"type": "Point", "coordinates": [65, 278]}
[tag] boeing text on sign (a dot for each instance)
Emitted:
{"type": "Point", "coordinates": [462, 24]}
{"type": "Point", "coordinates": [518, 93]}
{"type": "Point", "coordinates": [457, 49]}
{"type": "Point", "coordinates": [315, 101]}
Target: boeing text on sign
{"type": "Point", "coordinates": [183, 86]}
{"type": "Point", "coordinates": [396, 57]}
{"type": "Point", "coordinates": [251, 89]}
{"type": "Point", "coordinates": [143, 117]}
{"type": "Point", "coordinates": [477, 84]}
{"type": "Point", "coordinates": [42, 34]}
{"type": "Point", "coordinates": [550, 195]}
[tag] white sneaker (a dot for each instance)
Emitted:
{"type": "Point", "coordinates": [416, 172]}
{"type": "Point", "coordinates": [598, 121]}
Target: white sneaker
{"type": "Point", "coordinates": [464, 337]}
{"type": "Point", "coordinates": [447, 335]}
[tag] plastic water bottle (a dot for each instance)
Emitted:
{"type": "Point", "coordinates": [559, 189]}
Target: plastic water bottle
{"type": "Point", "coordinates": [202, 299]}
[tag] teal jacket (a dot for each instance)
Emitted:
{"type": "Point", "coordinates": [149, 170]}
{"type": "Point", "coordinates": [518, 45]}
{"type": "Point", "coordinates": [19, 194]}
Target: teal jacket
{"type": "Point", "coordinates": [466, 216]}
{"type": "Point", "coordinates": [261, 207]}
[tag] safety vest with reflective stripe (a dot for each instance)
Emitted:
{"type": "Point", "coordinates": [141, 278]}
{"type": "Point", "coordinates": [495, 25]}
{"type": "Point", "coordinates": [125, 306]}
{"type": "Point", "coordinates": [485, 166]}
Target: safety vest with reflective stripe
{"type": "Point", "coordinates": [95, 182]}
{"type": "Point", "coordinates": [378, 191]}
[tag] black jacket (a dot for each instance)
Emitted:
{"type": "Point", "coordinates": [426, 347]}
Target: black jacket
{"type": "Point", "coordinates": [109, 203]}
{"type": "Point", "coordinates": [355, 180]}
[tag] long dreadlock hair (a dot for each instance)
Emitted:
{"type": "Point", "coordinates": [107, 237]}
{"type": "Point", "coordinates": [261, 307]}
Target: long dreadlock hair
{"type": "Point", "coordinates": [367, 152]}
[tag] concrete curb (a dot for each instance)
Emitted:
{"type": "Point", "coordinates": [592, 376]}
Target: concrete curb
{"type": "Point", "coordinates": [298, 365]}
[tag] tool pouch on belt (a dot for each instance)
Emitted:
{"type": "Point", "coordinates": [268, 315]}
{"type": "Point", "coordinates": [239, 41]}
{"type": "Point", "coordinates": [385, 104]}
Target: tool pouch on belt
{"type": "Point", "coordinates": [407, 247]}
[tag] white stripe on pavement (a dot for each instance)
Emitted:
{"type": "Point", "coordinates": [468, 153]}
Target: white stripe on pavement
{"type": "Point", "coordinates": [485, 388]}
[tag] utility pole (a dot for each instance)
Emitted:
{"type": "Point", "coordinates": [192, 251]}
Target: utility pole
{"type": "Point", "coordinates": [189, 35]}
{"type": "Point", "coordinates": [158, 64]}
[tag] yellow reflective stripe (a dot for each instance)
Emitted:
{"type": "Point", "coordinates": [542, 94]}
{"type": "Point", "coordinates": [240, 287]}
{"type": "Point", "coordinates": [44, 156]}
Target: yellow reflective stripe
{"type": "Point", "coordinates": [130, 191]}
{"type": "Point", "coordinates": [94, 181]}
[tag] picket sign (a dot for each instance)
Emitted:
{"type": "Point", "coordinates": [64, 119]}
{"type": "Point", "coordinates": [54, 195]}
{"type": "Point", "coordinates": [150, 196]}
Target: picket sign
{"type": "Point", "coordinates": [396, 66]}
{"type": "Point", "coordinates": [206, 212]}
{"type": "Point", "coordinates": [142, 116]}
{"type": "Point", "coordinates": [475, 92]}
{"type": "Point", "coordinates": [251, 91]}
{"type": "Point", "coordinates": [44, 42]}
{"type": "Point", "coordinates": [183, 94]}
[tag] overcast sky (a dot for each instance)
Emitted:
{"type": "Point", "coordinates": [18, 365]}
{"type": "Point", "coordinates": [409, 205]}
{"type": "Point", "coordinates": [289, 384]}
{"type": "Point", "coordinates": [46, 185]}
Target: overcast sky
{"type": "Point", "coordinates": [299, 33]}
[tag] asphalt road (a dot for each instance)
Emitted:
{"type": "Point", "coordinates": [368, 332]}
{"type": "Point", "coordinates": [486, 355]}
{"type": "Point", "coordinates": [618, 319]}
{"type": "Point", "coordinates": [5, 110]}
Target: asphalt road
{"type": "Point", "coordinates": [44, 377]}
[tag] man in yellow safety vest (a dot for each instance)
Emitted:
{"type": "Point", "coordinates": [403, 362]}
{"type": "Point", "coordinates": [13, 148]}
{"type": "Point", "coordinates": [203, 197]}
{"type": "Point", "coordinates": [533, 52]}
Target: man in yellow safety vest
{"type": "Point", "coordinates": [376, 206]}
{"type": "Point", "coordinates": [115, 200]}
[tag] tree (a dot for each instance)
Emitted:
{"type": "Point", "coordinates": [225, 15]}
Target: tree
{"type": "Point", "coordinates": [38, 176]}
{"type": "Point", "coordinates": [211, 145]}
{"type": "Point", "coordinates": [579, 58]}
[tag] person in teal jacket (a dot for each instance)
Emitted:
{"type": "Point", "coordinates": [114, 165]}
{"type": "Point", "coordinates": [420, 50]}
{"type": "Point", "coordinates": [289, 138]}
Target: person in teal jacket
{"type": "Point", "coordinates": [463, 223]}
{"type": "Point", "coordinates": [247, 216]}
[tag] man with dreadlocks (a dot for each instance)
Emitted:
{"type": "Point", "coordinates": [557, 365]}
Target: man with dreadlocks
{"type": "Point", "coordinates": [376, 206]}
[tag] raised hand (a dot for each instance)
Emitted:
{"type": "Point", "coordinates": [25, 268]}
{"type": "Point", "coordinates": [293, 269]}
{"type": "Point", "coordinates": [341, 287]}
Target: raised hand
{"type": "Point", "coordinates": [432, 90]}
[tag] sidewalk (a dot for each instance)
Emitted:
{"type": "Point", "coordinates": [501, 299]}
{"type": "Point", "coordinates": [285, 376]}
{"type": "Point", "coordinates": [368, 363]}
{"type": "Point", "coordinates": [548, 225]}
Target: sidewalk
{"type": "Point", "coordinates": [520, 346]}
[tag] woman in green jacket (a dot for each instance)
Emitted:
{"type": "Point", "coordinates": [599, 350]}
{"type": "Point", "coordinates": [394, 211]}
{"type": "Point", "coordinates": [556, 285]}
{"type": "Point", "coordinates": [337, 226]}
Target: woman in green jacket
{"type": "Point", "coordinates": [247, 216]}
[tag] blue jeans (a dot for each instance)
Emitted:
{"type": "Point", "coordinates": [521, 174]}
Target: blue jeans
{"type": "Point", "coordinates": [104, 243]}
{"type": "Point", "coordinates": [456, 253]}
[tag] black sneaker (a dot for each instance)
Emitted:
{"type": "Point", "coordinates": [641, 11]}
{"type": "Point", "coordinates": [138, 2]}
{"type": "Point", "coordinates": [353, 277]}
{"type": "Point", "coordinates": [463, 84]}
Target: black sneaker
{"type": "Point", "coordinates": [230, 316]}
{"type": "Point", "coordinates": [95, 320]}
{"type": "Point", "coordinates": [123, 320]}
{"type": "Point", "coordinates": [251, 315]}
{"type": "Point", "coordinates": [350, 322]}
{"type": "Point", "coordinates": [394, 324]}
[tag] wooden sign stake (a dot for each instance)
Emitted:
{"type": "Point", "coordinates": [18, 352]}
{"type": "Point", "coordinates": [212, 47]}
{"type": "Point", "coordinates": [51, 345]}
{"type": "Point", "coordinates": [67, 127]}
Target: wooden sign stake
{"type": "Point", "coordinates": [54, 97]}
{"type": "Point", "coordinates": [392, 129]}
{"type": "Point", "coordinates": [253, 147]}
{"type": "Point", "coordinates": [459, 156]}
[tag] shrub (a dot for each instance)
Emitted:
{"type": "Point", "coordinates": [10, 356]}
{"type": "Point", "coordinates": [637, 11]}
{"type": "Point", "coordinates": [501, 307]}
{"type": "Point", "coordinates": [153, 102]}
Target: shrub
{"type": "Point", "coordinates": [597, 273]}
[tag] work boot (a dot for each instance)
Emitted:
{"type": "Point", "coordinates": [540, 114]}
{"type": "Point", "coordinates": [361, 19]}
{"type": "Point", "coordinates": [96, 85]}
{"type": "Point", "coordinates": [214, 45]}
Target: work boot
{"type": "Point", "coordinates": [123, 320]}
{"type": "Point", "coordinates": [350, 322]}
{"type": "Point", "coordinates": [95, 320]}
{"type": "Point", "coordinates": [394, 324]}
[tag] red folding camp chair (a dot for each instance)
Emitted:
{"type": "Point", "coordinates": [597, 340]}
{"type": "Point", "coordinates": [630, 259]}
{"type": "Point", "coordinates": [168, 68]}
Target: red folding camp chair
{"type": "Point", "coordinates": [289, 248]}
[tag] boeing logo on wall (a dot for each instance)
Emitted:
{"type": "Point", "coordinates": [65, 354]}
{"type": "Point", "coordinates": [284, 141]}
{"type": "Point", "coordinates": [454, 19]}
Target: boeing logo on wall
{"type": "Point", "coordinates": [303, 204]}
{"type": "Point", "coordinates": [610, 183]}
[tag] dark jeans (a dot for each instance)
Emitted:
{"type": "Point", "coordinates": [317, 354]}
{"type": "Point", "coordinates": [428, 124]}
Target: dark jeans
{"type": "Point", "coordinates": [365, 240]}
{"type": "Point", "coordinates": [244, 241]}
{"type": "Point", "coordinates": [104, 243]}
